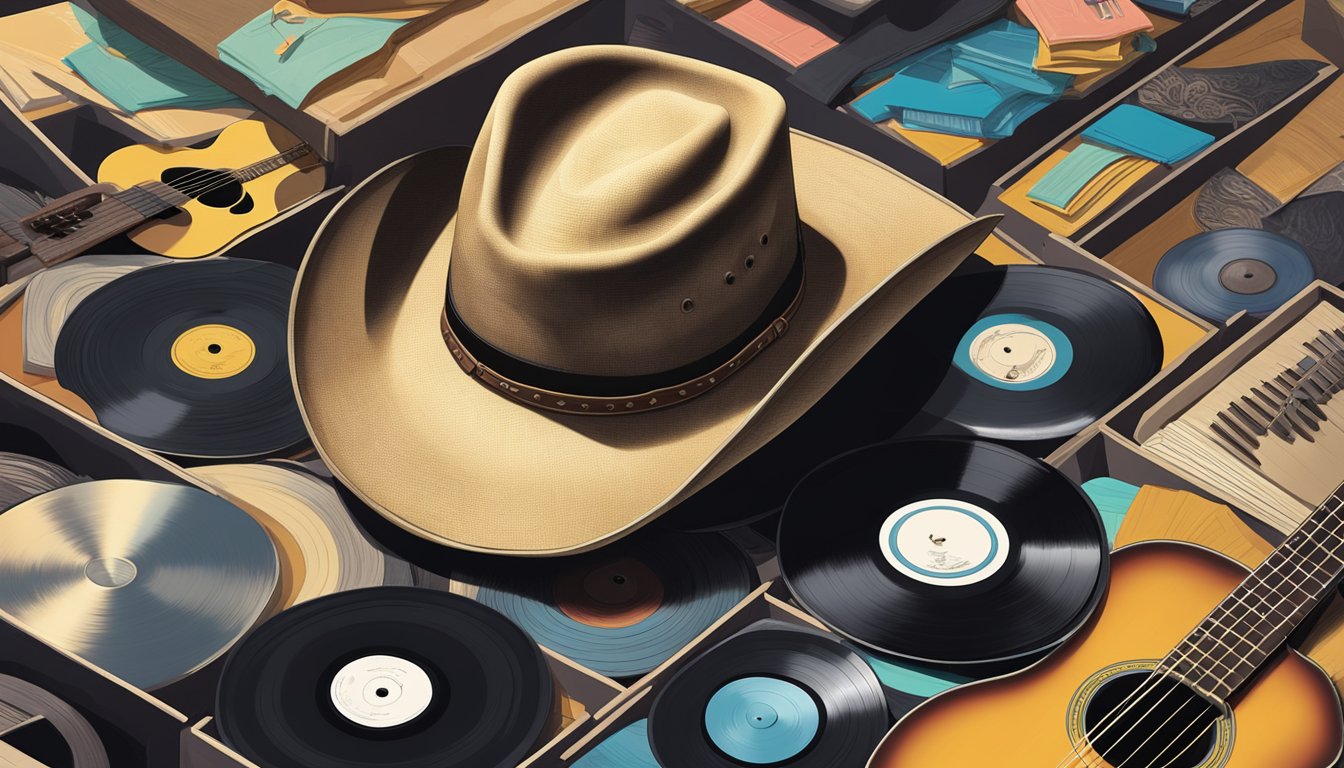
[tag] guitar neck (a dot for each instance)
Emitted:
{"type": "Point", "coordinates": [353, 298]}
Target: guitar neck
{"type": "Point", "coordinates": [1226, 650]}
{"type": "Point", "coordinates": [63, 235]}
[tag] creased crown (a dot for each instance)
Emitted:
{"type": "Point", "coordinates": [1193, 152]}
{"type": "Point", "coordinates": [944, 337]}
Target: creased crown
{"type": "Point", "coordinates": [625, 212]}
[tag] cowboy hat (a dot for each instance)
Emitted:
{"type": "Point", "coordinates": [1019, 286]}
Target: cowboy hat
{"type": "Point", "coordinates": [635, 278]}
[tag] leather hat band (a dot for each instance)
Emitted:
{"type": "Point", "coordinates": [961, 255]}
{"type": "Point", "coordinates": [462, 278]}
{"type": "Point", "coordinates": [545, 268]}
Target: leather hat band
{"type": "Point", "coordinates": [640, 396]}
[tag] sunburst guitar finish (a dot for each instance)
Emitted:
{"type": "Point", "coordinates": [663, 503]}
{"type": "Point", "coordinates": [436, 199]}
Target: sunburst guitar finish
{"type": "Point", "coordinates": [221, 208]}
{"type": "Point", "coordinates": [1288, 717]}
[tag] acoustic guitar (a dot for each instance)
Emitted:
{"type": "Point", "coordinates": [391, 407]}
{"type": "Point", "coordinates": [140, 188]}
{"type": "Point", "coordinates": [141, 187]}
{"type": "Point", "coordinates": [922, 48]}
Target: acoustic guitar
{"type": "Point", "coordinates": [179, 202]}
{"type": "Point", "coordinates": [1185, 665]}
{"type": "Point", "coordinates": [252, 171]}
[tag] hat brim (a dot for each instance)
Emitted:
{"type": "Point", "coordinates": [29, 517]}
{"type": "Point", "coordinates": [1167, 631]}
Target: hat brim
{"type": "Point", "coordinates": [442, 456]}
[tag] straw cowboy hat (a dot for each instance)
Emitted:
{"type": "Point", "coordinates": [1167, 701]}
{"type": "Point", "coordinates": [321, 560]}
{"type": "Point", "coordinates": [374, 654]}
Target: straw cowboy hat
{"type": "Point", "coordinates": [635, 278]}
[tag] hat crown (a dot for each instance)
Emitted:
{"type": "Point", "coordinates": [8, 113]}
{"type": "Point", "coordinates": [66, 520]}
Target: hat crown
{"type": "Point", "coordinates": [625, 213]}
{"type": "Point", "coordinates": [628, 175]}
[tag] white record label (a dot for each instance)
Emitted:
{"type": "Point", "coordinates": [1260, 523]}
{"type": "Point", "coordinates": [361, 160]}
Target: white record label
{"type": "Point", "coordinates": [381, 691]}
{"type": "Point", "coordinates": [944, 542]}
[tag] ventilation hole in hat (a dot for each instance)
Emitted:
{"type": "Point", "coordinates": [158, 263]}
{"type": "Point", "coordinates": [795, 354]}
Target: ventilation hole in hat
{"type": "Point", "coordinates": [750, 262]}
{"type": "Point", "coordinates": [687, 305]}
{"type": "Point", "coordinates": [729, 278]}
{"type": "Point", "coordinates": [765, 239]}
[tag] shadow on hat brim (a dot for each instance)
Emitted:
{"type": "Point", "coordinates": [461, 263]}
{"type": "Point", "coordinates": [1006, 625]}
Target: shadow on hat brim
{"type": "Point", "coordinates": [442, 456]}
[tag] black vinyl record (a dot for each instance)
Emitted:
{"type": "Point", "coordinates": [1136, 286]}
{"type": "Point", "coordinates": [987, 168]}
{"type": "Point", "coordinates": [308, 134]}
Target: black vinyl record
{"type": "Point", "coordinates": [773, 694]}
{"type": "Point", "coordinates": [401, 676]}
{"type": "Point", "coordinates": [188, 359]}
{"type": "Point", "coordinates": [947, 551]}
{"type": "Point", "coordinates": [1022, 353]}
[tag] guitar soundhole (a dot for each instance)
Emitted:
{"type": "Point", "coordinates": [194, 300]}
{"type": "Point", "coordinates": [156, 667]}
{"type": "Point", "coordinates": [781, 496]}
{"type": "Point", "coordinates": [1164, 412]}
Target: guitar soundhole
{"type": "Point", "coordinates": [216, 189]}
{"type": "Point", "coordinates": [1137, 721]}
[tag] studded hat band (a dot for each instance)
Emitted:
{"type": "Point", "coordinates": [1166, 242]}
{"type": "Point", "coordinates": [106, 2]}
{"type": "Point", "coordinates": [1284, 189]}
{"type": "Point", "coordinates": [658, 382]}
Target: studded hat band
{"type": "Point", "coordinates": [610, 404]}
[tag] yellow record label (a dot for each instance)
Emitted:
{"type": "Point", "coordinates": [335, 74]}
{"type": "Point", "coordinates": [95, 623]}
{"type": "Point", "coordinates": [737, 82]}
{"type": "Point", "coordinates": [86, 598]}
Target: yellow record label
{"type": "Point", "coordinates": [213, 351]}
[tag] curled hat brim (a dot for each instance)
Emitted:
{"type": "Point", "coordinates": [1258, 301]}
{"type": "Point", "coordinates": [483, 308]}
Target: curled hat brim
{"type": "Point", "coordinates": [440, 455]}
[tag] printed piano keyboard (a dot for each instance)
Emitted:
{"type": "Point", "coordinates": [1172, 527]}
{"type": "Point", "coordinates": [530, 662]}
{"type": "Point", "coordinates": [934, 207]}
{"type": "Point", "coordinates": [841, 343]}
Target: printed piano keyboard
{"type": "Point", "coordinates": [1270, 435]}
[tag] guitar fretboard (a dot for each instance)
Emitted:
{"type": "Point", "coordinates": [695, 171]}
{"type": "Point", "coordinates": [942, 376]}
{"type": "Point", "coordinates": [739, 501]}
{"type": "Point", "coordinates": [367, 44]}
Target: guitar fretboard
{"type": "Point", "coordinates": [273, 163]}
{"type": "Point", "coordinates": [1254, 622]}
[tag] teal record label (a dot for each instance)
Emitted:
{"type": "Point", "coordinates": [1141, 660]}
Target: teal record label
{"type": "Point", "coordinates": [1014, 352]}
{"type": "Point", "coordinates": [762, 720]}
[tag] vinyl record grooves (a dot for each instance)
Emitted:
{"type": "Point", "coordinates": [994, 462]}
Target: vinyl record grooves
{"type": "Point", "coordinates": [147, 580]}
{"type": "Point", "coordinates": [773, 694]}
{"type": "Point", "coordinates": [1024, 353]}
{"type": "Point", "coordinates": [946, 551]}
{"type": "Point", "coordinates": [23, 477]}
{"type": "Point", "coordinates": [1220, 273]}
{"type": "Point", "coordinates": [55, 292]}
{"type": "Point", "coordinates": [626, 748]}
{"type": "Point", "coordinates": [386, 676]}
{"type": "Point", "coordinates": [321, 549]}
{"type": "Point", "coordinates": [189, 359]}
{"type": "Point", "coordinates": [628, 608]}
{"type": "Point", "coordinates": [20, 700]}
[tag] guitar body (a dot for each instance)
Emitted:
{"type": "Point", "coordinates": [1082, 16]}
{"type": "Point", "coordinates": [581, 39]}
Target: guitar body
{"type": "Point", "coordinates": [1287, 717]}
{"type": "Point", "coordinates": [229, 208]}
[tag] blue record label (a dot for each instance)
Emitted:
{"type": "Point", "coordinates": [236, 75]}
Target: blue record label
{"type": "Point", "coordinates": [762, 720]}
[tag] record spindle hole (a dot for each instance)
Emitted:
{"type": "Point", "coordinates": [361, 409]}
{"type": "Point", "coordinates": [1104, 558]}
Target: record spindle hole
{"type": "Point", "coordinates": [214, 349]}
{"type": "Point", "coordinates": [110, 572]}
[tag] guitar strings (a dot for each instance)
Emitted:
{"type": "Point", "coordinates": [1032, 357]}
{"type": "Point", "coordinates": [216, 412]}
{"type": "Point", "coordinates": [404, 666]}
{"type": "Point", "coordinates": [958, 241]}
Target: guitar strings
{"type": "Point", "coordinates": [208, 173]}
{"type": "Point", "coordinates": [1116, 712]}
{"type": "Point", "coordinates": [1288, 617]}
{"type": "Point", "coordinates": [1143, 690]}
{"type": "Point", "coordinates": [111, 225]}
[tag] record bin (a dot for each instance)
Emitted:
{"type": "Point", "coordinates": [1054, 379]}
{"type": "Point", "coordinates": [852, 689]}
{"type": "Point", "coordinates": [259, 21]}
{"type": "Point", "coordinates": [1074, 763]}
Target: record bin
{"type": "Point", "coordinates": [1164, 187]}
{"type": "Point", "coordinates": [668, 25]}
{"type": "Point", "coordinates": [138, 729]}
